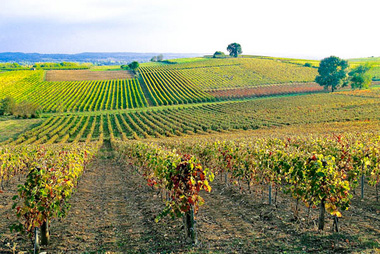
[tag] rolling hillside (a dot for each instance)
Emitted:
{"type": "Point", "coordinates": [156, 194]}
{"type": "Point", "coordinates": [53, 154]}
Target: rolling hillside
{"type": "Point", "coordinates": [169, 83]}
{"type": "Point", "coordinates": [124, 151]}
{"type": "Point", "coordinates": [213, 74]}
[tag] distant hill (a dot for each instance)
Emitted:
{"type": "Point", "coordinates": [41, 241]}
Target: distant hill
{"type": "Point", "coordinates": [88, 57]}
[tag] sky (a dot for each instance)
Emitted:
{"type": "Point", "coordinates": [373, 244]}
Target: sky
{"type": "Point", "coordinates": [286, 28]}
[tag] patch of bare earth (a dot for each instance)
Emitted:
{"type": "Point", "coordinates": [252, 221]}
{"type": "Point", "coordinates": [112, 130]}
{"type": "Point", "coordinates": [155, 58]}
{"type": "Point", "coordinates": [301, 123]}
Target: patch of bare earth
{"type": "Point", "coordinates": [113, 210]}
{"type": "Point", "coordinates": [79, 75]}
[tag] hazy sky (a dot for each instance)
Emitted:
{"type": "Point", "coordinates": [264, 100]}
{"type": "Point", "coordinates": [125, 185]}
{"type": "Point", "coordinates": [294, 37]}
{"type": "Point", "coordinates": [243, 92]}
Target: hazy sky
{"type": "Point", "coordinates": [298, 28]}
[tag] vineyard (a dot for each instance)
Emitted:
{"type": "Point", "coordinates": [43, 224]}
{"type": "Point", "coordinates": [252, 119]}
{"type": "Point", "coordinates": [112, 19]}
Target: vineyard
{"type": "Point", "coordinates": [204, 119]}
{"type": "Point", "coordinates": [51, 174]}
{"type": "Point", "coordinates": [313, 170]}
{"type": "Point", "coordinates": [310, 179]}
{"type": "Point", "coordinates": [214, 74]}
{"type": "Point", "coordinates": [168, 87]}
{"type": "Point", "coordinates": [368, 93]}
{"type": "Point", "coordinates": [190, 156]}
{"type": "Point", "coordinates": [79, 75]}
{"type": "Point", "coordinates": [266, 90]}
{"type": "Point", "coordinates": [155, 85]}
{"type": "Point", "coordinates": [73, 95]}
{"type": "Point", "coordinates": [10, 79]}
{"type": "Point", "coordinates": [184, 82]}
{"type": "Point", "coordinates": [320, 172]}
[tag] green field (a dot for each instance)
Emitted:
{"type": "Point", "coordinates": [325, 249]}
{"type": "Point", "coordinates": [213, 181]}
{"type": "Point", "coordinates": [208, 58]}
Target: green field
{"type": "Point", "coordinates": [12, 128]}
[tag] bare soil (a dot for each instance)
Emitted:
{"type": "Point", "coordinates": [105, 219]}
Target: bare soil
{"type": "Point", "coordinates": [79, 75]}
{"type": "Point", "coordinates": [113, 211]}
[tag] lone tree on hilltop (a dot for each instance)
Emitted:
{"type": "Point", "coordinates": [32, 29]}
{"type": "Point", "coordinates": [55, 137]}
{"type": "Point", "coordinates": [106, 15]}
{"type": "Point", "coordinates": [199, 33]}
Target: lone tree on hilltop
{"type": "Point", "coordinates": [359, 76]}
{"type": "Point", "coordinates": [332, 72]}
{"type": "Point", "coordinates": [234, 49]}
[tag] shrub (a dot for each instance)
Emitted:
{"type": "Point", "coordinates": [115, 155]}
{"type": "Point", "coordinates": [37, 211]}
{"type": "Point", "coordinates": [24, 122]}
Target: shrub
{"type": "Point", "coordinates": [7, 106]}
{"type": "Point", "coordinates": [219, 54]}
{"type": "Point", "coordinates": [26, 109]}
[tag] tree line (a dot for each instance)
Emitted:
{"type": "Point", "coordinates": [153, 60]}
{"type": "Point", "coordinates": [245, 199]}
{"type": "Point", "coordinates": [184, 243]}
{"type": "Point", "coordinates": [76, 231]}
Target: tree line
{"type": "Point", "coordinates": [334, 72]}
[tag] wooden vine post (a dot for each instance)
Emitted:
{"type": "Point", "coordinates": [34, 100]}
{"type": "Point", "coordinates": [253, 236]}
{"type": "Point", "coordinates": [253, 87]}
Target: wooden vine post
{"type": "Point", "coordinates": [36, 241]}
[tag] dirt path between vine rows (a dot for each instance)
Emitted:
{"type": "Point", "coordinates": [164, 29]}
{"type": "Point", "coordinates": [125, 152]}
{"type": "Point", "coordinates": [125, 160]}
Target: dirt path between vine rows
{"type": "Point", "coordinates": [113, 211]}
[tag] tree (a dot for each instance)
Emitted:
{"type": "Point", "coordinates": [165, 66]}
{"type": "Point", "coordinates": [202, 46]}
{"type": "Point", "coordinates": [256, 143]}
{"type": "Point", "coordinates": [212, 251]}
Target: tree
{"type": "Point", "coordinates": [359, 76]}
{"type": "Point", "coordinates": [7, 106]}
{"type": "Point", "coordinates": [160, 57]}
{"type": "Point", "coordinates": [134, 65]}
{"type": "Point", "coordinates": [218, 54]}
{"type": "Point", "coordinates": [26, 109]}
{"type": "Point", "coordinates": [124, 67]}
{"type": "Point", "coordinates": [234, 49]}
{"type": "Point", "coordinates": [332, 72]}
{"type": "Point", "coordinates": [307, 65]}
